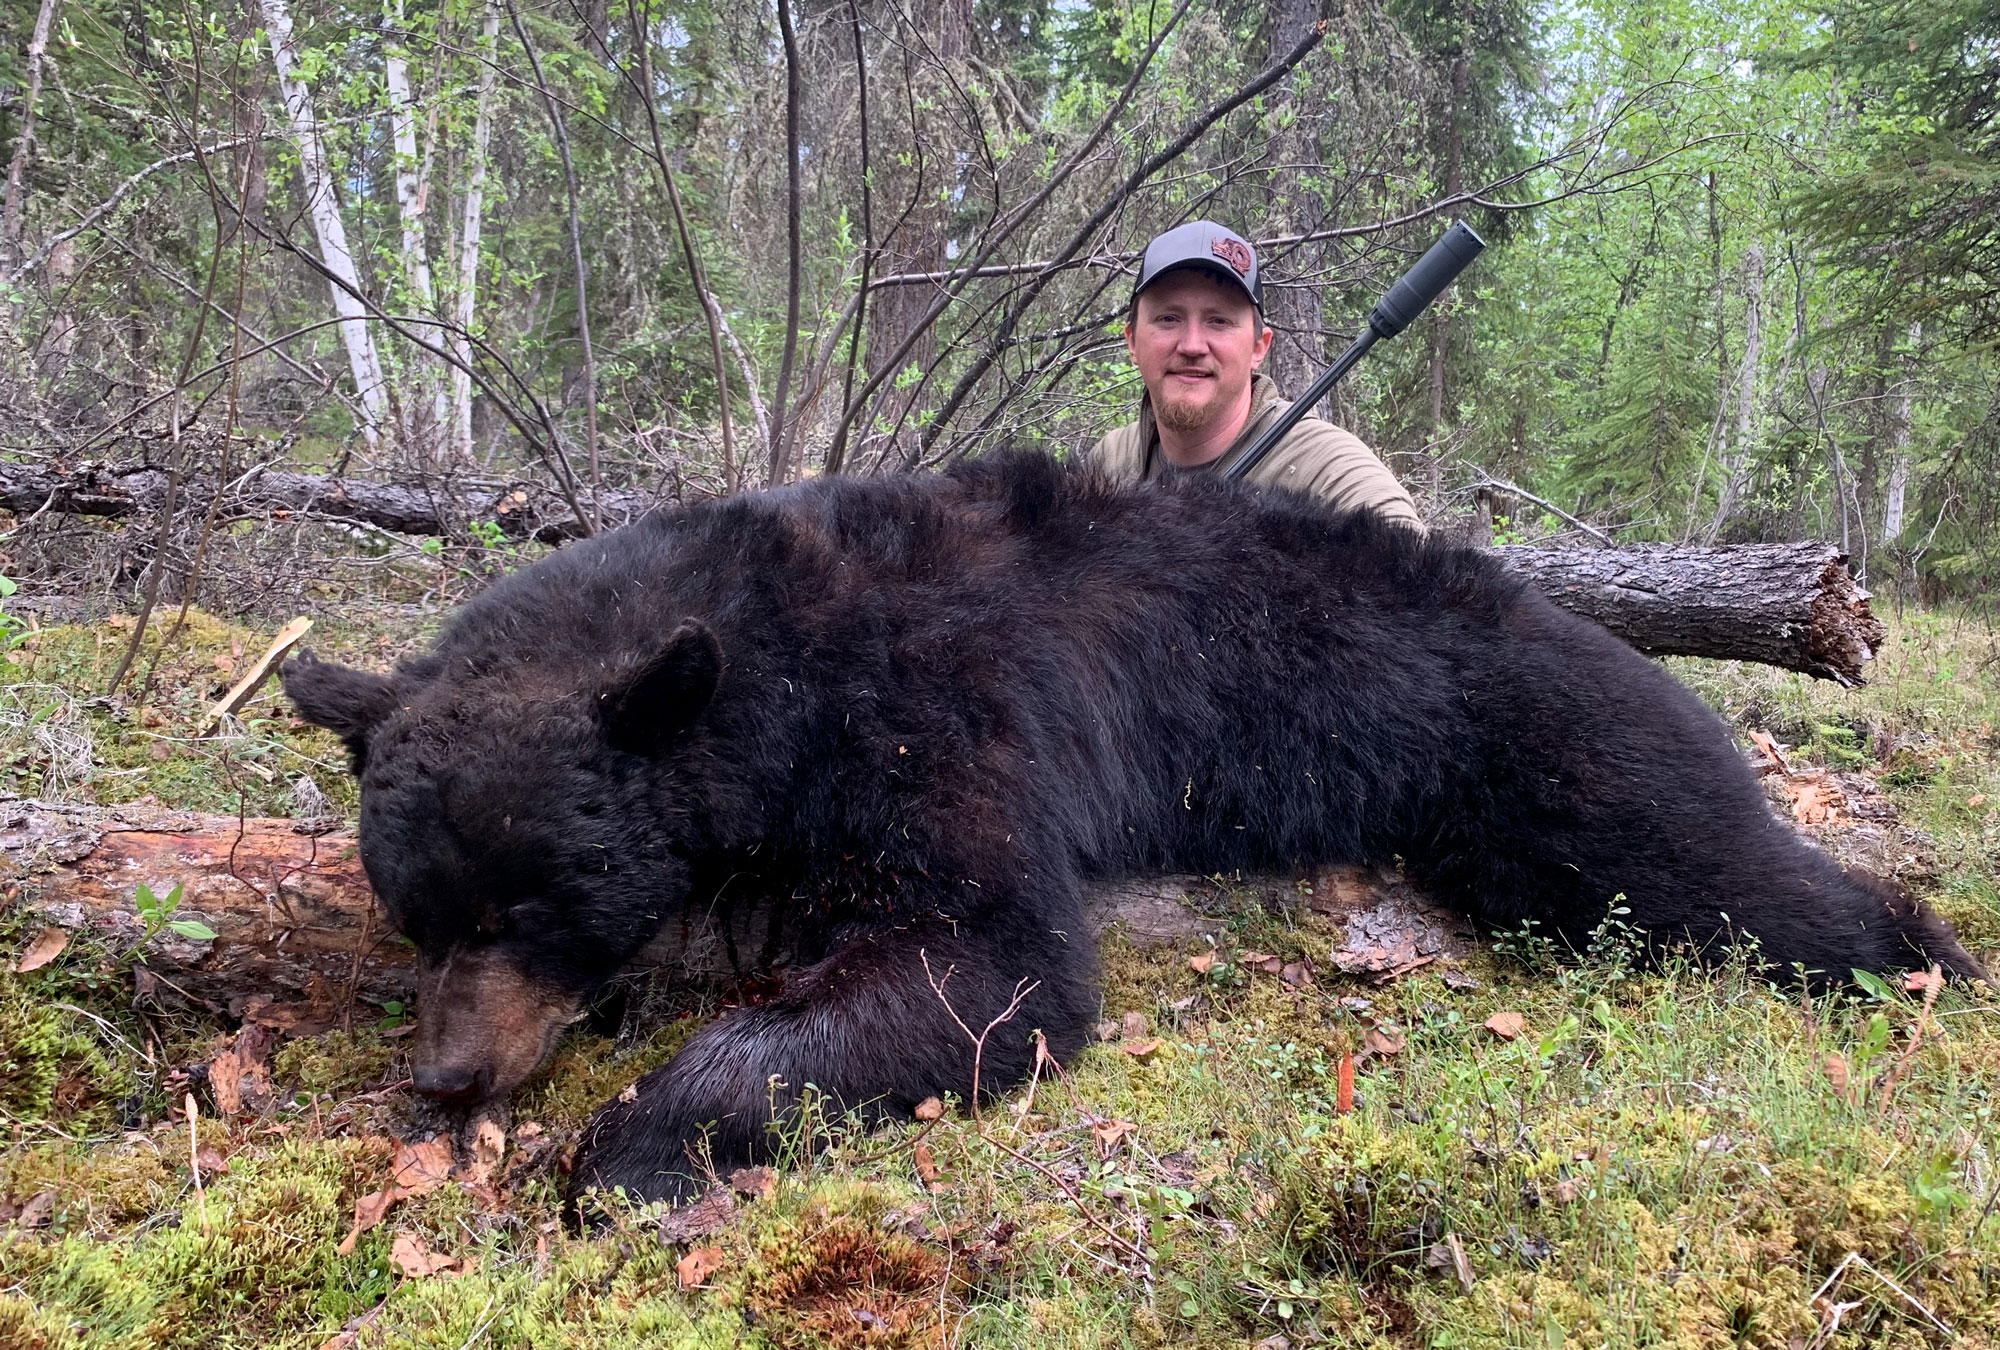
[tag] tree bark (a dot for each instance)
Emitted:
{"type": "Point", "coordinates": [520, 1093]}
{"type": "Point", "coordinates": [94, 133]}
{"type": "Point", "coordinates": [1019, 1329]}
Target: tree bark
{"type": "Point", "coordinates": [323, 204]}
{"type": "Point", "coordinates": [1795, 606]}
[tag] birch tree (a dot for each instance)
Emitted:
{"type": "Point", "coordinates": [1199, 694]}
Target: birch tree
{"type": "Point", "coordinates": [411, 192]}
{"type": "Point", "coordinates": [467, 295]}
{"type": "Point", "coordinates": [323, 206]}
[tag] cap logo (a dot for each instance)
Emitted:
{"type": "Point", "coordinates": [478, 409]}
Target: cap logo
{"type": "Point", "coordinates": [1234, 252]}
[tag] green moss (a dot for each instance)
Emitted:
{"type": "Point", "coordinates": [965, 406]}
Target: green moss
{"type": "Point", "coordinates": [339, 1063]}
{"type": "Point", "coordinates": [47, 1057]}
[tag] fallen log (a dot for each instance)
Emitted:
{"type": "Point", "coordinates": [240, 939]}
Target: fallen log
{"type": "Point", "coordinates": [300, 945]}
{"type": "Point", "coordinates": [520, 508]}
{"type": "Point", "coordinates": [1794, 606]}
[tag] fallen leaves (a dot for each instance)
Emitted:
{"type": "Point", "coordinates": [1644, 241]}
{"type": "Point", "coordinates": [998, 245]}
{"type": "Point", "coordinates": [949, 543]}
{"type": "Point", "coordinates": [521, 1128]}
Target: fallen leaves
{"type": "Point", "coordinates": [927, 1169]}
{"type": "Point", "coordinates": [1343, 1097]}
{"type": "Point", "coordinates": [1506, 1025]}
{"type": "Point", "coordinates": [410, 1254]}
{"type": "Point", "coordinates": [43, 948]}
{"type": "Point", "coordinates": [929, 1109]}
{"type": "Point", "coordinates": [34, 1212]}
{"type": "Point", "coordinates": [694, 1269]}
{"type": "Point", "coordinates": [415, 1169]}
{"type": "Point", "coordinates": [1202, 963]}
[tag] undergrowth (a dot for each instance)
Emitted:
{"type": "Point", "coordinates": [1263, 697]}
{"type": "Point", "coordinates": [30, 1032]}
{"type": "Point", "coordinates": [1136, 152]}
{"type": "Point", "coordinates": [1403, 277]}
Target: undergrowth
{"type": "Point", "coordinates": [1656, 1158]}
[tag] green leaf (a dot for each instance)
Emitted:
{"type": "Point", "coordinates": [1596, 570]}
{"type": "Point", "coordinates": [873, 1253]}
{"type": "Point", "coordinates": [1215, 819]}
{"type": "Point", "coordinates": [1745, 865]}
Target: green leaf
{"type": "Point", "coordinates": [193, 928]}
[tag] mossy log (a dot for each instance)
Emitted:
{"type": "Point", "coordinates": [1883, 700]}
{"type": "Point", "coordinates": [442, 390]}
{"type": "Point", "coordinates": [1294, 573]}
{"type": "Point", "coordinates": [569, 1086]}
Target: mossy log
{"type": "Point", "coordinates": [301, 944]}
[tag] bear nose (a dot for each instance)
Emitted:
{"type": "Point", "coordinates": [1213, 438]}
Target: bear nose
{"type": "Point", "coordinates": [444, 1084]}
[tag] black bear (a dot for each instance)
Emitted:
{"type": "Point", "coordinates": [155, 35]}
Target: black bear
{"type": "Point", "coordinates": [915, 713]}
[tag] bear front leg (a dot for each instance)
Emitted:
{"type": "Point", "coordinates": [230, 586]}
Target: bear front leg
{"type": "Point", "coordinates": [866, 1028]}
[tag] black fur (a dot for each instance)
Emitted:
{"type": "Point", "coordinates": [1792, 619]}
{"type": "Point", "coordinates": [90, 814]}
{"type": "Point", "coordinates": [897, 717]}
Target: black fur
{"type": "Point", "coordinates": [944, 702]}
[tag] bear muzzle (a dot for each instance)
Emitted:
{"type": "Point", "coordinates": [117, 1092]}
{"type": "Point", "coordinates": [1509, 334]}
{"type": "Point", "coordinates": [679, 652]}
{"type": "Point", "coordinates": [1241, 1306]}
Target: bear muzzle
{"type": "Point", "coordinates": [483, 1027]}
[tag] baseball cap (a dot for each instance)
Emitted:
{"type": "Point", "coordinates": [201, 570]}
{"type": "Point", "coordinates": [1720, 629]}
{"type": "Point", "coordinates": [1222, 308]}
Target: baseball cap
{"type": "Point", "coordinates": [1203, 244]}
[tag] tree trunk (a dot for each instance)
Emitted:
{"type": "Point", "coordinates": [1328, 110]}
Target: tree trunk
{"type": "Point", "coordinates": [1736, 458]}
{"type": "Point", "coordinates": [13, 215]}
{"type": "Point", "coordinates": [468, 245]}
{"type": "Point", "coordinates": [1899, 442]}
{"type": "Point", "coordinates": [1795, 606]}
{"type": "Point", "coordinates": [323, 205]}
{"type": "Point", "coordinates": [411, 191]}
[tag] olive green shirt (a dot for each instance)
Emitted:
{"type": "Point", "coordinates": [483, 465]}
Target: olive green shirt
{"type": "Point", "coordinates": [1315, 457]}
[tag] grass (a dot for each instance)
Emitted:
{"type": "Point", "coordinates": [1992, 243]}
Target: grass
{"type": "Point", "coordinates": [1666, 1158]}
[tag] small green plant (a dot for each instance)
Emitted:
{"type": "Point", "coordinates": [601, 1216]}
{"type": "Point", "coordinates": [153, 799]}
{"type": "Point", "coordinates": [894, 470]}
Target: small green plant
{"type": "Point", "coordinates": [157, 913]}
{"type": "Point", "coordinates": [13, 628]}
{"type": "Point", "coordinates": [394, 1014]}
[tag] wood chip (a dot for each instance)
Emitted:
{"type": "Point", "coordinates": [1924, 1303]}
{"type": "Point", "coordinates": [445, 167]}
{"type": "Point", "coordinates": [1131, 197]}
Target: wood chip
{"type": "Point", "coordinates": [755, 1183]}
{"type": "Point", "coordinates": [691, 1222]}
{"type": "Point", "coordinates": [487, 1147]}
{"type": "Point", "coordinates": [1506, 1025]}
{"type": "Point", "coordinates": [239, 694]}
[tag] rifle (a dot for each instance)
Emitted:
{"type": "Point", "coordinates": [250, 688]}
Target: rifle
{"type": "Point", "coordinates": [1409, 297]}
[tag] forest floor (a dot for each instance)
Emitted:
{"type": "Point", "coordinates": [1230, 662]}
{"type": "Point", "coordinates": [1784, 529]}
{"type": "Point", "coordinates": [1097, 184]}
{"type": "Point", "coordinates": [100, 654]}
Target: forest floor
{"type": "Point", "coordinates": [1531, 1151]}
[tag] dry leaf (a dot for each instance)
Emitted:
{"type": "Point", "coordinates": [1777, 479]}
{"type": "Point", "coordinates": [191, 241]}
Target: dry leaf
{"type": "Point", "coordinates": [1566, 1192]}
{"type": "Point", "coordinates": [710, 1214]}
{"type": "Point", "coordinates": [929, 1109]}
{"type": "Point", "coordinates": [1107, 1133]}
{"type": "Point", "coordinates": [488, 1147]}
{"type": "Point", "coordinates": [1203, 963]}
{"type": "Point", "coordinates": [1836, 1074]}
{"type": "Point", "coordinates": [1141, 1049]}
{"type": "Point", "coordinates": [1133, 1026]}
{"type": "Point", "coordinates": [1459, 1264]}
{"type": "Point", "coordinates": [1506, 1025]}
{"type": "Point", "coordinates": [45, 947]}
{"type": "Point", "coordinates": [695, 1268]}
{"type": "Point", "coordinates": [239, 1077]}
{"type": "Point", "coordinates": [368, 1211]}
{"type": "Point", "coordinates": [629, 1093]}
{"type": "Point", "coordinates": [1383, 1041]}
{"type": "Point", "coordinates": [1917, 981]}
{"type": "Point", "coordinates": [211, 1162]}
{"type": "Point", "coordinates": [1296, 973]}
{"type": "Point", "coordinates": [927, 1168]}
{"type": "Point", "coordinates": [36, 1211]}
{"type": "Point", "coordinates": [413, 1257]}
{"type": "Point", "coordinates": [419, 1168]}
{"type": "Point", "coordinates": [757, 1183]}
{"type": "Point", "coordinates": [1976, 800]}
{"type": "Point", "coordinates": [1343, 1097]}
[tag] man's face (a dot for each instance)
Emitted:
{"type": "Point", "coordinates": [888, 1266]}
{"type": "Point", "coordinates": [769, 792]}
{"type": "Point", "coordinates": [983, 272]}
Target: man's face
{"type": "Point", "coordinates": [1196, 341]}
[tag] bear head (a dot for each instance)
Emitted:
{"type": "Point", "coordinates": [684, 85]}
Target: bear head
{"type": "Point", "coordinates": [519, 832]}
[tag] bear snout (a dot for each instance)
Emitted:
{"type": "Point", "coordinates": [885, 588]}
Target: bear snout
{"type": "Point", "coordinates": [448, 1083]}
{"type": "Point", "coordinates": [483, 1027]}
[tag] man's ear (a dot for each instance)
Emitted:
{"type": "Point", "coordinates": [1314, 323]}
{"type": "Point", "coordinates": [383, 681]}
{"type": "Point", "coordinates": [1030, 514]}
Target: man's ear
{"type": "Point", "coordinates": [349, 702]}
{"type": "Point", "coordinates": [661, 699]}
{"type": "Point", "coordinates": [1262, 347]}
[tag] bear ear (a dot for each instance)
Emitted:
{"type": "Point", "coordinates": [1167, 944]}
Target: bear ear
{"type": "Point", "coordinates": [349, 702]}
{"type": "Point", "coordinates": [666, 694]}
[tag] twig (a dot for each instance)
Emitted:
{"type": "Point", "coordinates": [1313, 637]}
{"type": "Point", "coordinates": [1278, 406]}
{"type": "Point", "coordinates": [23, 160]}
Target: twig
{"type": "Point", "coordinates": [1022, 988]}
{"type": "Point", "coordinates": [1488, 480]}
{"type": "Point", "coordinates": [1838, 1309]}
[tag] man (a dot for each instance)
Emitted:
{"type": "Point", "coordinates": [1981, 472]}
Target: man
{"type": "Point", "coordinates": [1196, 332]}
